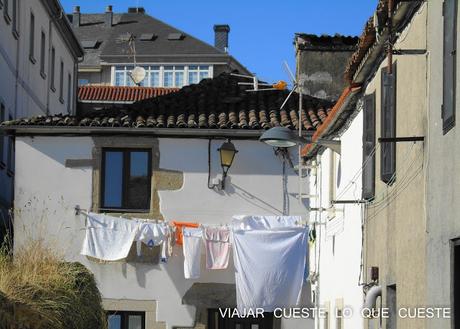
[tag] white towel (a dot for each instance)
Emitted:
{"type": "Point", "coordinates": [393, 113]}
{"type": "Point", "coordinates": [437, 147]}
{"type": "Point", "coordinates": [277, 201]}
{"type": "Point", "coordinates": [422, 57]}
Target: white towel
{"type": "Point", "coordinates": [109, 238]}
{"type": "Point", "coordinates": [217, 243]}
{"type": "Point", "coordinates": [192, 240]}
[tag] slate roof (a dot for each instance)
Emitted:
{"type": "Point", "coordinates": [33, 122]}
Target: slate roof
{"type": "Point", "coordinates": [327, 42]}
{"type": "Point", "coordinates": [115, 94]}
{"type": "Point", "coordinates": [113, 47]}
{"type": "Point", "coordinates": [218, 103]}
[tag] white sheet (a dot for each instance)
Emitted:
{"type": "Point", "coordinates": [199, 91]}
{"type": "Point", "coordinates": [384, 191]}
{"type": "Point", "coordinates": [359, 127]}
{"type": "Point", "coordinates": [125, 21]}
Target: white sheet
{"type": "Point", "coordinates": [109, 238]}
{"type": "Point", "coordinates": [264, 222]}
{"type": "Point", "coordinates": [192, 241]}
{"type": "Point", "coordinates": [269, 267]}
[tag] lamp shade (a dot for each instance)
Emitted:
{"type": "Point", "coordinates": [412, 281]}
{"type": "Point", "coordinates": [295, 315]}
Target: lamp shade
{"type": "Point", "coordinates": [227, 154]}
{"type": "Point", "coordinates": [280, 137]}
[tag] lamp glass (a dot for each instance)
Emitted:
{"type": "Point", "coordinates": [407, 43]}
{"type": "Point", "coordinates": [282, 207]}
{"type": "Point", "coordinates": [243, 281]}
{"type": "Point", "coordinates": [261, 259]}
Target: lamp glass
{"type": "Point", "coordinates": [279, 143]}
{"type": "Point", "coordinates": [227, 154]}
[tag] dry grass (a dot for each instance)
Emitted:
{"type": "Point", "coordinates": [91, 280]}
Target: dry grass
{"type": "Point", "coordinates": [40, 291]}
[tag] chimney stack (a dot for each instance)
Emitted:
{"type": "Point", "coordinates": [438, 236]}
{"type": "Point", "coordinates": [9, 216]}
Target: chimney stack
{"type": "Point", "coordinates": [109, 16]}
{"type": "Point", "coordinates": [221, 37]}
{"type": "Point", "coordinates": [76, 16]}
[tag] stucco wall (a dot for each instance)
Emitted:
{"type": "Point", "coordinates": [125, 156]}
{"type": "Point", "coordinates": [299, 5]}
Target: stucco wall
{"type": "Point", "coordinates": [395, 231]}
{"type": "Point", "coordinates": [338, 246]}
{"type": "Point", "coordinates": [47, 192]}
{"type": "Point", "coordinates": [443, 207]}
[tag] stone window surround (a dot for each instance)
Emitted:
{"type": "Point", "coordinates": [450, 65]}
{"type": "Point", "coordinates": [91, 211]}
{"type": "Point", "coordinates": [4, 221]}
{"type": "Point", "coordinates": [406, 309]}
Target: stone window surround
{"type": "Point", "coordinates": [127, 305]}
{"type": "Point", "coordinates": [162, 179]}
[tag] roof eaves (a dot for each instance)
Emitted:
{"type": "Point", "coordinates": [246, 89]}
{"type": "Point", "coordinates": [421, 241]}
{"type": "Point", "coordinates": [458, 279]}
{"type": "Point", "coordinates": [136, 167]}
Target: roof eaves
{"type": "Point", "coordinates": [339, 107]}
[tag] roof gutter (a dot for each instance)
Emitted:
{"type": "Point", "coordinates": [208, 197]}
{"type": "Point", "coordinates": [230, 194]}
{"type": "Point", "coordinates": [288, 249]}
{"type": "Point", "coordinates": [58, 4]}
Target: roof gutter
{"type": "Point", "coordinates": [338, 108]}
{"type": "Point", "coordinates": [154, 132]}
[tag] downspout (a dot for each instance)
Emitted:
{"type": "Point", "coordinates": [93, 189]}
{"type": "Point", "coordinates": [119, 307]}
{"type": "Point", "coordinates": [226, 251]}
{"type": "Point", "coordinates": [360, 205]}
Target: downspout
{"type": "Point", "coordinates": [390, 37]}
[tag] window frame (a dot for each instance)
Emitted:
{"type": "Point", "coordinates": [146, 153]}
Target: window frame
{"type": "Point", "coordinates": [388, 129]}
{"type": "Point", "coordinates": [369, 124]}
{"type": "Point", "coordinates": [69, 93]}
{"type": "Point", "coordinates": [125, 317]}
{"type": "Point", "coordinates": [448, 122]}
{"type": "Point", "coordinates": [32, 38]}
{"type": "Point", "coordinates": [125, 172]}
{"type": "Point", "coordinates": [15, 18]}
{"type": "Point", "coordinates": [53, 69]}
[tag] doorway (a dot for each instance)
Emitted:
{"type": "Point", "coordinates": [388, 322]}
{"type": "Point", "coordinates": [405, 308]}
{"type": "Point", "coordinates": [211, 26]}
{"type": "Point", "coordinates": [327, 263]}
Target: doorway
{"type": "Point", "coordinates": [216, 321]}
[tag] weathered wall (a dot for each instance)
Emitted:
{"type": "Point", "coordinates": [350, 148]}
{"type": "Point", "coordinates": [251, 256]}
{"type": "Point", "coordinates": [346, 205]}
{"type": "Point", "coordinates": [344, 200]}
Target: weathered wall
{"type": "Point", "coordinates": [338, 246]}
{"type": "Point", "coordinates": [47, 192]}
{"type": "Point", "coordinates": [443, 207]}
{"type": "Point", "coordinates": [322, 72]}
{"type": "Point", "coordinates": [395, 236]}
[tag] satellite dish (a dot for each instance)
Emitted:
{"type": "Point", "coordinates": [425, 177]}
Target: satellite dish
{"type": "Point", "coordinates": [138, 75]}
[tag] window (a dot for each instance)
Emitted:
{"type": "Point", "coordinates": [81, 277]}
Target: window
{"type": "Point", "coordinates": [126, 179]}
{"type": "Point", "coordinates": [15, 19]}
{"type": "Point", "coordinates": [163, 76]}
{"type": "Point", "coordinates": [217, 321]}
{"type": "Point", "coordinates": [368, 175]}
{"type": "Point", "coordinates": [388, 126]}
{"type": "Point", "coordinates": [69, 93]}
{"type": "Point", "coordinates": [53, 68]}
{"type": "Point", "coordinates": [61, 83]}
{"type": "Point", "coordinates": [32, 39]}
{"type": "Point", "coordinates": [2, 137]}
{"type": "Point", "coordinates": [126, 320]}
{"type": "Point", "coordinates": [450, 64]}
{"type": "Point", "coordinates": [42, 55]}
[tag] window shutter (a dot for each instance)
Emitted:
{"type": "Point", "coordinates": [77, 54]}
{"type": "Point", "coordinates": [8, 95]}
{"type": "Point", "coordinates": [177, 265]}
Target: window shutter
{"type": "Point", "coordinates": [388, 126]}
{"type": "Point", "coordinates": [449, 63]}
{"type": "Point", "coordinates": [368, 173]}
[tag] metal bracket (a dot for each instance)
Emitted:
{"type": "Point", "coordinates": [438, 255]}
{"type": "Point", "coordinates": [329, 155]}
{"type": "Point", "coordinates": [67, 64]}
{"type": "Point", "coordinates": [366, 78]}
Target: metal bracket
{"type": "Point", "coordinates": [348, 201]}
{"type": "Point", "coordinates": [401, 139]}
{"type": "Point", "coordinates": [402, 52]}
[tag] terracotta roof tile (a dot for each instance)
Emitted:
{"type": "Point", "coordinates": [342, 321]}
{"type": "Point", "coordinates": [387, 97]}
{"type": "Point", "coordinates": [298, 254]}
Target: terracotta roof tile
{"type": "Point", "coordinates": [219, 103]}
{"type": "Point", "coordinates": [120, 94]}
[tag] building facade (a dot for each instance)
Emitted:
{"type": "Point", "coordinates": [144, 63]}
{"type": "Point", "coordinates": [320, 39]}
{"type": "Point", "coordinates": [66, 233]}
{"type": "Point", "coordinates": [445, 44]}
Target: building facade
{"type": "Point", "coordinates": [38, 60]}
{"type": "Point", "coordinates": [117, 42]}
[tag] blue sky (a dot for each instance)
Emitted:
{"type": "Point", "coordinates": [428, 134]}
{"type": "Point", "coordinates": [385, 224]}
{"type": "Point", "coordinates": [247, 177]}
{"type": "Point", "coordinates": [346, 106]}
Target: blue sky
{"type": "Point", "coordinates": [262, 31]}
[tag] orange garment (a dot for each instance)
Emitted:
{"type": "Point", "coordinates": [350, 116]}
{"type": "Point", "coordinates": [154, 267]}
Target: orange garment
{"type": "Point", "coordinates": [179, 226]}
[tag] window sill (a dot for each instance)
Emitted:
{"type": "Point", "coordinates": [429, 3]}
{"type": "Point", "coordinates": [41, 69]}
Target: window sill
{"type": "Point", "coordinates": [7, 18]}
{"type": "Point", "coordinates": [32, 59]}
{"type": "Point", "coordinates": [43, 75]}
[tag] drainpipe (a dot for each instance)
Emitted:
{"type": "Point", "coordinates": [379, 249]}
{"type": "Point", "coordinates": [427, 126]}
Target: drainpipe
{"type": "Point", "coordinates": [371, 297]}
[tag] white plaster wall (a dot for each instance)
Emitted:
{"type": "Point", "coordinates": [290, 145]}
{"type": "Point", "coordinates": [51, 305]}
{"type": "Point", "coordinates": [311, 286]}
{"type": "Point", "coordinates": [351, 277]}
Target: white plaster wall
{"type": "Point", "coordinates": [340, 254]}
{"type": "Point", "coordinates": [47, 191]}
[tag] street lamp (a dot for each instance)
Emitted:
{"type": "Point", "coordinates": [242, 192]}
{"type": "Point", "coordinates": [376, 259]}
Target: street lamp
{"type": "Point", "coordinates": [285, 137]}
{"type": "Point", "coordinates": [227, 154]}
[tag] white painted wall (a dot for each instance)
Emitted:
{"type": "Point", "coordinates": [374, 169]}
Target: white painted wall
{"type": "Point", "coordinates": [47, 192]}
{"type": "Point", "coordinates": [338, 245]}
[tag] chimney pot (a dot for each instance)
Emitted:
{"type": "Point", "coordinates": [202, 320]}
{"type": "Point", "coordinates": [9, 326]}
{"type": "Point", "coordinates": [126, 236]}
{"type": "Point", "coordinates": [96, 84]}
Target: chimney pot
{"type": "Point", "coordinates": [76, 16]}
{"type": "Point", "coordinates": [109, 16]}
{"type": "Point", "coordinates": [221, 37]}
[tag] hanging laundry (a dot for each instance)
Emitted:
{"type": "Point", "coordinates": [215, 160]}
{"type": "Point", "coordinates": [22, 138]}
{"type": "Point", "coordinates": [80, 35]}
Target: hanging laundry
{"type": "Point", "coordinates": [265, 222]}
{"type": "Point", "coordinates": [217, 243]}
{"type": "Point", "coordinates": [168, 243]}
{"type": "Point", "coordinates": [192, 241]}
{"type": "Point", "coordinates": [152, 235]}
{"type": "Point", "coordinates": [270, 265]}
{"type": "Point", "coordinates": [179, 226]}
{"type": "Point", "coordinates": [109, 238]}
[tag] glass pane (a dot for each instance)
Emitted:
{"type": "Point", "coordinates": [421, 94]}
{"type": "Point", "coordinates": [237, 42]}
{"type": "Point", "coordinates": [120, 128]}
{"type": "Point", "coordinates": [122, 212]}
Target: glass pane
{"type": "Point", "coordinates": [204, 67]}
{"type": "Point", "coordinates": [135, 322]}
{"type": "Point", "coordinates": [119, 78]}
{"type": "Point", "coordinates": [192, 77]}
{"type": "Point", "coordinates": [139, 181]}
{"type": "Point", "coordinates": [154, 68]}
{"type": "Point", "coordinates": [203, 75]}
{"type": "Point", "coordinates": [154, 79]}
{"type": "Point", "coordinates": [193, 67]}
{"type": "Point", "coordinates": [179, 79]}
{"type": "Point", "coordinates": [169, 68]}
{"type": "Point", "coordinates": [179, 68]}
{"type": "Point", "coordinates": [254, 326]}
{"type": "Point", "coordinates": [168, 77]}
{"type": "Point", "coordinates": [113, 179]}
{"type": "Point", "coordinates": [114, 321]}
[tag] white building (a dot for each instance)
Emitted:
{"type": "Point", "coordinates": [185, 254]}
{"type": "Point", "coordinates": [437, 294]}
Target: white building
{"type": "Point", "coordinates": [184, 163]}
{"type": "Point", "coordinates": [38, 61]}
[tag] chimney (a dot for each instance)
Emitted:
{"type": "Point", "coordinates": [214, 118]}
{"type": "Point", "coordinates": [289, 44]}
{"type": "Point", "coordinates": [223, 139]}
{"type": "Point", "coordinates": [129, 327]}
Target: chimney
{"type": "Point", "coordinates": [108, 16]}
{"type": "Point", "coordinates": [76, 16]}
{"type": "Point", "coordinates": [136, 10]}
{"type": "Point", "coordinates": [221, 37]}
